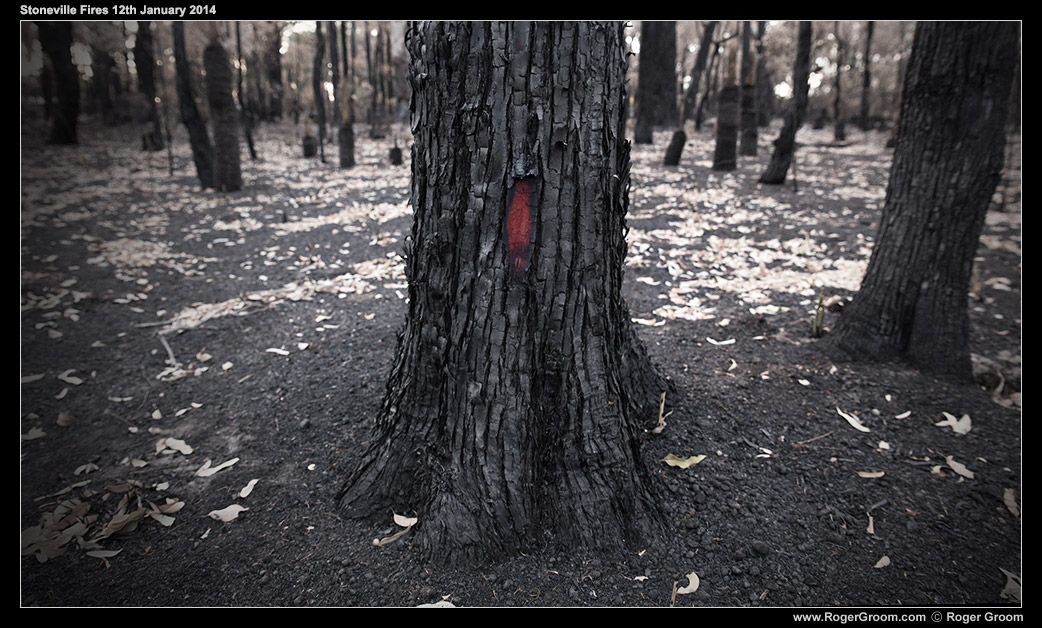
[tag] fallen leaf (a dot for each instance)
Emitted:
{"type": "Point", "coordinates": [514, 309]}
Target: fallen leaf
{"type": "Point", "coordinates": [959, 426]}
{"type": "Point", "coordinates": [903, 415]}
{"type": "Point", "coordinates": [227, 514]}
{"type": "Point", "coordinates": [958, 467]}
{"type": "Point", "coordinates": [803, 382]}
{"type": "Point", "coordinates": [883, 562]}
{"type": "Point", "coordinates": [853, 420]}
{"type": "Point", "coordinates": [69, 379]}
{"type": "Point", "coordinates": [729, 341]}
{"type": "Point", "coordinates": [692, 584]}
{"type": "Point", "coordinates": [871, 474]}
{"type": "Point", "coordinates": [246, 490]}
{"type": "Point", "coordinates": [278, 351]}
{"type": "Point", "coordinates": [405, 522]}
{"type": "Point", "coordinates": [871, 525]}
{"type": "Point", "coordinates": [32, 378]}
{"type": "Point", "coordinates": [206, 470]}
{"type": "Point", "coordinates": [683, 463]}
{"type": "Point", "coordinates": [64, 418]}
{"type": "Point", "coordinates": [166, 520]}
{"type": "Point", "coordinates": [438, 604]}
{"type": "Point", "coordinates": [1010, 499]}
{"type": "Point", "coordinates": [1012, 589]}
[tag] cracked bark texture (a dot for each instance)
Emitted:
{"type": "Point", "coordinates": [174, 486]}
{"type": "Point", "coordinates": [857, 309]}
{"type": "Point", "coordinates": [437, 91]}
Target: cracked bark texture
{"type": "Point", "coordinates": [227, 172]}
{"type": "Point", "coordinates": [912, 304]}
{"type": "Point", "coordinates": [519, 392]}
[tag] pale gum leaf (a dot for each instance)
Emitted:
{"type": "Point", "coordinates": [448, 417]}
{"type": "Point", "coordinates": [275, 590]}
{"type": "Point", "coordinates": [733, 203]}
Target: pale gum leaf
{"type": "Point", "coordinates": [870, 474]}
{"type": "Point", "coordinates": [958, 467]}
{"type": "Point", "coordinates": [1010, 499]}
{"type": "Point", "coordinates": [959, 426]}
{"type": "Point", "coordinates": [104, 553]}
{"type": "Point", "coordinates": [166, 520]}
{"type": "Point", "coordinates": [883, 562]}
{"type": "Point", "coordinates": [1012, 590]}
{"type": "Point", "coordinates": [904, 415]}
{"type": "Point", "coordinates": [853, 420]}
{"type": "Point", "coordinates": [692, 584]}
{"type": "Point", "coordinates": [683, 463]}
{"type": "Point", "coordinates": [246, 490]}
{"type": "Point", "coordinates": [227, 514]}
{"type": "Point", "coordinates": [206, 470]}
{"type": "Point", "coordinates": [405, 522]}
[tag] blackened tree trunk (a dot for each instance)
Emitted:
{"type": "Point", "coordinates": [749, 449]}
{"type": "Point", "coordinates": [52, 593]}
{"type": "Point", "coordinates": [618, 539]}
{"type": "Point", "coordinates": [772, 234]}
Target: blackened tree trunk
{"type": "Point", "coordinates": [334, 74]}
{"type": "Point", "coordinates": [839, 131]}
{"type": "Point", "coordinates": [711, 81]}
{"type": "Point", "coordinates": [728, 118]}
{"type": "Point", "coordinates": [244, 110]}
{"type": "Point", "coordinates": [785, 145]}
{"type": "Point", "coordinates": [694, 86]}
{"type": "Point", "coordinates": [912, 304]}
{"type": "Point", "coordinates": [102, 67]}
{"type": "Point", "coordinates": [56, 42]}
{"type": "Point", "coordinates": [676, 144]}
{"type": "Point", "coordinates": [656, 79]}
{"type": "Point", "coordinates": [764, 89]}
{"type": "Point", "coordinates": [318, 76]}
{"type": "Point", "coordinates": [748, 134]}
{"type": "Point", "coordinates": [198, 137]}
{"type": "Point", "coordinates": [346, 132]}
{"type": "Point", "coordinates": [273, 67]}
{"type": "Point", "coordinates": [227, 173]}
{"type": "Point", "coordinates": [866, 79]}
{"type": "Point", "coordinates": [145, 63]}
{"type": "Point", "coordinates": [512, 414]}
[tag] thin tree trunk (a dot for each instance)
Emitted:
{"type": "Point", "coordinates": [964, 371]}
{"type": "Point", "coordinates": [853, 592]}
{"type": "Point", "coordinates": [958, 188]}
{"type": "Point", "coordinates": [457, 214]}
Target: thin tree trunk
{"type": "Point", "coordinates": [510, 421]}
{"type": "Point", "coordinates": [346, 131]}
{"type": "Point", "coordinates": [227, 173]}
{"type": "Point", "coordinates": [676, 144]}
{"type": "Point", "coordinates": [145, 63]}
{"type": "Point", "coordinates": [317, 77]}
{"type": "Point", "coordinates": [785, 145]}
{"type": "Point", "coordinates": [244, 114]}
{"type": "Point", "coordinates": [728, 117]}
{"type": "Point", "coordinates": [273, 65]}
{"type": "Point", "coordinates": [198, 137]}
{"type": "Point", "coordinates": [839, 126]}
{"type": "Point", "coordinates": [764, 89]}
{"type": "Point", "coordinates": [912, 304]}
{"type": "Point", "coordinates": [56, 42]}
{"type": "Point", "coordinates": [748, 137]}
{"type": "Point", "coordinates": [866, 79]}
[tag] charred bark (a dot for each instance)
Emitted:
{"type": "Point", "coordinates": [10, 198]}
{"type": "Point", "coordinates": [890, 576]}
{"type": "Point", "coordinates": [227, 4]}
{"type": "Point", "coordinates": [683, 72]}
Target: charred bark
{"type": "Point", "coordinates": [318, 75]}
{"type": "Point", "coordinates": [747, 98]}
{"type": "Point", "coordinates": [785, 145]}
{"type": "Point", "coordinates": [145, 63]}
{"type": "Point", "coordinates": [224, 115]}
{"type": "Point", "coordinates": [912, 304]}
{"type": "Point", "coordinates": [56, 42]}
{"type": "Point", "coordinates": [198, 137]}
{"type": "Point", "coordinates": [515, 404]}
{"type": "Point", "coordinates": [656, 79]}
{"type": "Point", "coordinates": [866, 79]}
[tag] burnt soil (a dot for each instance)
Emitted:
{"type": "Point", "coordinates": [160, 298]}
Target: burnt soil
{"type": "Point", "coordinates": [792, 506]}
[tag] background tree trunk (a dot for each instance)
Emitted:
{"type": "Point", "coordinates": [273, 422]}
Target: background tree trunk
{"type": "Point", "coordinates": [512, 413]}
{"type": "Point", "coordinates": [145, 62]}
{"type": "Point", "coordinates": [728, 117]}
{"type": "Point", "coordinates": [839, 126]}
{"type": "Point", "coordinates": [273, 66]}
{"type": "Point", "coordinates": [912, 302]}
{"type": "Point", "coordinates": [656, 79]}
{"type": "Point", "coordinates": [198, 137]}
{"type": "Point", "coordinates": [56, 42]}
{"type": "Point", "coordinates": [227, 173]}
{"type": "Point", "coordinates": [693, 88]}
{"type": "Point", "coordinates": [764, 88]}
{"type": "Point", "coordinates": [346, 131]}
{"type": "Point", "coordinates": [785, 145]}
{"type": "Point", "coordinates": [318, 76]}
{"type": "Point", "coordinates": [747, 82]}
{"type": "Point", "coordinates": [244, 111]}
{"type": "Point", "coordinates": [866, 78]}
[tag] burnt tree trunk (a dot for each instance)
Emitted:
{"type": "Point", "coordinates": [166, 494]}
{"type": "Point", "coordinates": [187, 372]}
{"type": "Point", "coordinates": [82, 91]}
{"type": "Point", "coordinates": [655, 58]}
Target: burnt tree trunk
{"type": "Point", "coordinates": [224, 115]}
{"type": "Point", "coordinates": [346, 131]}
{"type": "Point", "coordinates": [785, 145]}
{"type": "Point", "coordinates": [515, 405]}
{"type": "Point", "coordinates": [318, 76]}
{"type": "Point", "coordinates": [764, 89]}
{"type": "Point", "coordinates": [198, 137]}
{"type": "Point", "coordinates": [656, 79]}
{"type": "Point", "coordinates": [273, 68]}
{"type": "Point", "coordinates": [244, 111]}
{"type": "Point", "coordinates": [728, 117]}
{"type": "Point", "coordinates": [676, 144]}
{"type": "Point", "coordinates": [866, 79]}
{"type": "Point", "coordinates": [747, 98]}
{"type": "Point", "coordinates": [145, 63]}
{"type": "Point", "coordinates": [839, 130]}
{"type": "Point", "coordinates": [912, 304]}
{"type": "Point", "coordinates": [56, 42]}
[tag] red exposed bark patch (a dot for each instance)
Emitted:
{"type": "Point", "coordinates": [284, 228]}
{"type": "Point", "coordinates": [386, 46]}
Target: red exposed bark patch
{"type": "Point", "coordinates": [519, 225]}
